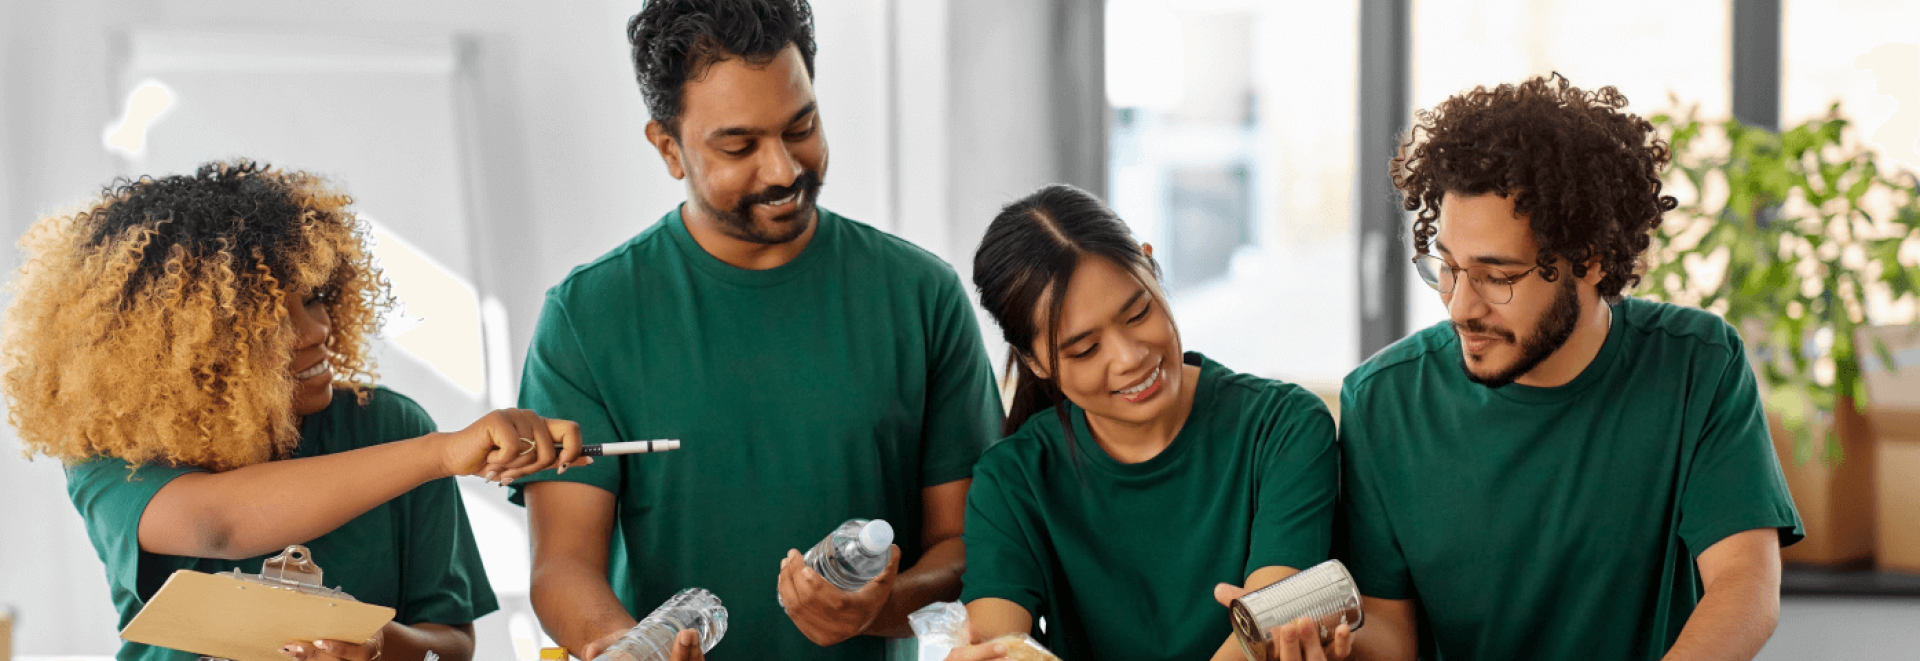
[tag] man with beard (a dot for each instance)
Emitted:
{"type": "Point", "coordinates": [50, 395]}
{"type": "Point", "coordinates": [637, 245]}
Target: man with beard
{"type": "Point", "coordinates": [814, 368]}
{"type": "Point", "coordinates": [1558, 471]}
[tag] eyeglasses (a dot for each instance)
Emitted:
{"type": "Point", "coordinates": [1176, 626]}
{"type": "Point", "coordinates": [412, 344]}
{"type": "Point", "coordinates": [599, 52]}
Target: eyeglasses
{"type": "Point", "coordinates": [1493, 286]}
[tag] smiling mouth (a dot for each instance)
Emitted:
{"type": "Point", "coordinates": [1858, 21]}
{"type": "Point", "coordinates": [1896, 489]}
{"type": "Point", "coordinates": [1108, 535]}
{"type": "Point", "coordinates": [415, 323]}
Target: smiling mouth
{"type": "Point", "coordinates": [789, 199]}
{"type": "Point", "coordinates": [1152, 378]}
{"type": "Point", "coordinates": [316, 370]}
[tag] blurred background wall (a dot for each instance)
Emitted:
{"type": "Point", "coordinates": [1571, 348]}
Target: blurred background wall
{"type": "Point", "coordinates": [499, 144]}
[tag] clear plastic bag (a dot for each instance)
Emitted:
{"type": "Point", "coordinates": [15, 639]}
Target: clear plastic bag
{"type": "Point", "coordinates": [942, 626]}
{"type": "Point", "coordinates": [939, 628]}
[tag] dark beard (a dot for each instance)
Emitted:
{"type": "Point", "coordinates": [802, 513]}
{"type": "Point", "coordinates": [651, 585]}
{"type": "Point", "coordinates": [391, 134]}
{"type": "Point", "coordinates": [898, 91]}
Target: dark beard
{"type": "Point", "coordinates": [738, 221]}
{"type": "Point", "coordinates": [1552, 333]}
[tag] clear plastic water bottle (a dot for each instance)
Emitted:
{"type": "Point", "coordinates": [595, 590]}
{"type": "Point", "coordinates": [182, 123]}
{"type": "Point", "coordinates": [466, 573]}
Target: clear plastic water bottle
{"type": "Point", "coordinates": [652, 638]}
{"type": "Point", "coordinates": [854, 554]}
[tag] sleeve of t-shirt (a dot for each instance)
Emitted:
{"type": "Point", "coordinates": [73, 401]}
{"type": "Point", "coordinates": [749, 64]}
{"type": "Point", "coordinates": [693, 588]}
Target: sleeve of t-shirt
{"type": "Point", "coordinates": [443, 580]}
{"type": "Point", "coordinates": [111, 501]}
{"type": "Point", "coordinates": [1297, 485]}
{"type": "Point", "coordinates": [1733, 480]}
{"type": "Point", "coordinates": [1003, 547]}
{"type": "Point", "coordinates": [556, 383]}
{"type": "Point", "coordinates": [1372, 552]}
{"type": "Point", "coordinates": [963, 408]}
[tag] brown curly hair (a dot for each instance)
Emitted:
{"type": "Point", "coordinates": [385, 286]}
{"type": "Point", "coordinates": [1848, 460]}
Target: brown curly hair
{"type": "Point", "coordinates": [149, 325]}
{"type": "Point", "coordinates": [1585, 174]}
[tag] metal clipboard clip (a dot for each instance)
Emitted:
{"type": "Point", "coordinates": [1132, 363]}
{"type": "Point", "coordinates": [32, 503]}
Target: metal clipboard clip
{"type": "Point", "coordinates": [292, 570]}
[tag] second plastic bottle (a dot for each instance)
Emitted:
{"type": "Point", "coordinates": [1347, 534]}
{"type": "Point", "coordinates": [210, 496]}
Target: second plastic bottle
{"type": "Point", "coordinates": [854, 554]}
{"type": "Point", "coordinates": [652, 638]}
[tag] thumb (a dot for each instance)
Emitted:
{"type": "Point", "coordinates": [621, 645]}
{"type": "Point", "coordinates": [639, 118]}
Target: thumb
{"type": "Point", "coordinates": [893, 562]}
{"type": "Point", "coordinates": [1225, 593]}
{"type": "Point", "coordinates": [687, 646]}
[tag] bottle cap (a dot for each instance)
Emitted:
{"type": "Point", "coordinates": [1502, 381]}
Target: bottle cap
{"type": "Point", "coordinates": [876, 536]}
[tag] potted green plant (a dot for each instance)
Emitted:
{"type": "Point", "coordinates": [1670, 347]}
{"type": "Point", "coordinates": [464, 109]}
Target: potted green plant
{"type": "Point", "coordinates": [1798, 238]}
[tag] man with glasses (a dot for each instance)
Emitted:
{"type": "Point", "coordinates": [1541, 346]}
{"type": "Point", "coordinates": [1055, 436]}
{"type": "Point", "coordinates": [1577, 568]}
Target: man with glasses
{"type": "Point", "coordinates": [1558, 471]}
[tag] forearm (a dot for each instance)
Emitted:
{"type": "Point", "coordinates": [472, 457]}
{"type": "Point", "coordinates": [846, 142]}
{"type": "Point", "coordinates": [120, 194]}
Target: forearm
{"type": "Point", "coordinates": [936, 577]}
{"type": "Point", "coordinates": [1260, 578]}
{"type": "Point", "coordinates": [1734, 619]}
{"type": "Point", "coordinates": [575, 604]}
{"type": "Point", "coordinates": [1389, 633]}
{"type": "Point", "coordinates": [263, 508]}
{"type": "Point", "coordinates": [411, 643]}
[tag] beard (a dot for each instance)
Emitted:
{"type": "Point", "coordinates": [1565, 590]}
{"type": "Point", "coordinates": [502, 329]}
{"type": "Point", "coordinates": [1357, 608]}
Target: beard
{"type": "Point", "coordinates": [1548, 336]}
{"type": "Point", "coordinates": [738, 221]}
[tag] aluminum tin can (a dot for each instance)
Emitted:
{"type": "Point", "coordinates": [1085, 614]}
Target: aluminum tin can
{"type": "Point", "coordinates": [1324, 592]}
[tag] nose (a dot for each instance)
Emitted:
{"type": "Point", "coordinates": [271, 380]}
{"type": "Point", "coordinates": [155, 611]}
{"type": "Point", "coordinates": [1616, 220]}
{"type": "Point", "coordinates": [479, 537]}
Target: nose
{"type": "Point", "coordinates": [1465, 302]}
{"type": "Point", "coordinates": [779, 167]}
{"type": "Point", "coordinates": [1136, 355]}
{"type": "Point", "coordinates": [311, 326]}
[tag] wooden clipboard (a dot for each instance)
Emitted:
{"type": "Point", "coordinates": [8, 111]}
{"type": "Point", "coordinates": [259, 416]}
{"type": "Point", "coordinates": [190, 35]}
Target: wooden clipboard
{"type": "Point", "coordinates": [247, 619]}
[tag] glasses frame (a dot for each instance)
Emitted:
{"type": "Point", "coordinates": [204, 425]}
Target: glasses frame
{"type": "Point", "coordinates": [1477, 278]}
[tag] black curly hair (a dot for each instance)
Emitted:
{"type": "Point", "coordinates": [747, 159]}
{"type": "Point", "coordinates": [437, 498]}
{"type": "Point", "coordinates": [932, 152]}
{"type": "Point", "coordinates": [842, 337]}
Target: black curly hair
{"type": "Point", "coordinates": [222, 208]}
{"type": "Point", "coordinates": [674, 41]}
{"type": "Point", "coordinates": [1584, 173]}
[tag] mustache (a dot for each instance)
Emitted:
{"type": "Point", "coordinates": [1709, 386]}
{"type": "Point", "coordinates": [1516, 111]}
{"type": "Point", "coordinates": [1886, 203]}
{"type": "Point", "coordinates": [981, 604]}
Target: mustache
{"type": "Point", "coordinates": [1475, 327]}
{"type": "Point", "coordinates": [806, 183]}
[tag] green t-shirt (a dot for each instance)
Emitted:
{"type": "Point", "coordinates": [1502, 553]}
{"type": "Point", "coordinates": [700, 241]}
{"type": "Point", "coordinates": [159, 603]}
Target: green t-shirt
{"type": "Point", "coordinates": [1121, 559]}
{"type": "Point", "coordinates": [835, 386]}
{"type": "Point", "coordinates": [1557, 523]}
{"type": "Point", "coordinates": [415, 553]}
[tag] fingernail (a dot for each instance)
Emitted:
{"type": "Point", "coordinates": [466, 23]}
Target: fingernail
{"type": "Point", "coordinates": [294, 649]}
{"type": "Point", "coordinates": [490, 475]}
{"type": "Point", "coordinates": [999, 648]}
{"type": "Point", "coordinates": [322, 645]}
{"type": "Point", "coordinates": [506, 482]}
{"type": "Point", "coordinates": [589, 461]}
{"type": "Point", "coordinates": [286, 649]}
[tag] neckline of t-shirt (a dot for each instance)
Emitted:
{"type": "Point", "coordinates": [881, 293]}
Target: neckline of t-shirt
{"type": "Point", "coordinates": [1595, 371]}
{"type": "Point", "coordinates": [1202, 401]}
{"type": "Point", "coordinates": [824, 224]}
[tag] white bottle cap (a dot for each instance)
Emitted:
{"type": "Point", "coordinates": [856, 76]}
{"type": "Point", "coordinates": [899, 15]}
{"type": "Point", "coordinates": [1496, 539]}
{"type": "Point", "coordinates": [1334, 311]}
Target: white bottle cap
{"type": "Point", "coordinates": [876, 536]}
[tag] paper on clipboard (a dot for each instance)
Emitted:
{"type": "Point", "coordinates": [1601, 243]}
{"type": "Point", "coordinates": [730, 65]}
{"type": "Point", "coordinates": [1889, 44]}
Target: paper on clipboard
{"type": "Point", "coordinates": [246, 618]}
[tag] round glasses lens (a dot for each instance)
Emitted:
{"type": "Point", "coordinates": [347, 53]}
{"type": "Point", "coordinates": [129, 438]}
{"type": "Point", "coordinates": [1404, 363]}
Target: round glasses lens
{"type": "Point", "coordinates": [1430, 269]}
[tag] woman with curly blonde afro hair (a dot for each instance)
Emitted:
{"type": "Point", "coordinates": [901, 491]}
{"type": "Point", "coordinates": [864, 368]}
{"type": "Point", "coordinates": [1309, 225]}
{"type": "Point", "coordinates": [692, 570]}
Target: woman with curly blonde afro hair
{"type": "Point", "coordinates": [194, 349]}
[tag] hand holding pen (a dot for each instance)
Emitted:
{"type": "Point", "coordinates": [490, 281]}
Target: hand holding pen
{"type": "Point", "coordinates": [508, 444]}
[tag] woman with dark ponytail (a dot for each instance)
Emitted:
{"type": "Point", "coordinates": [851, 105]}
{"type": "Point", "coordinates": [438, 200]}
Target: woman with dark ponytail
{"type": "Point", "coordinates": [1139, 485]}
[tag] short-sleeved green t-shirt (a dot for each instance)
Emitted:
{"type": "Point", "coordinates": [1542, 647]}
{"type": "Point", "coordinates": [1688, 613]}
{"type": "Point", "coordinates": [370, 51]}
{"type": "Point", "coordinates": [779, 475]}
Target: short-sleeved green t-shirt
{"type": "Point", "coordinates": [835, 386]}
{"type": "Point", "coordinates": [1121, 559]}
{"type": "Point", "coordinates": [1557, 523]}
{"type": "Point", "coordinates": [415, 553]}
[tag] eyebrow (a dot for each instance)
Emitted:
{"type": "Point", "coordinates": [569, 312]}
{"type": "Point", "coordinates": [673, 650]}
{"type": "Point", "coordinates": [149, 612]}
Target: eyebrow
{"type": "Point", "coordinates": [1490, 260]}
{"type": "Point", "coordinates": [732, 131]}
{"type": "Point", "coordinates": [1077, 337]}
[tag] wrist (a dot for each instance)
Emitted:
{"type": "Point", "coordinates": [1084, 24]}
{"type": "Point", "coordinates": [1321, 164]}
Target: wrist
{"type": "Point", "coordinates": [432, 451]}
{"type": "Point", "coordinates": [602, 635]}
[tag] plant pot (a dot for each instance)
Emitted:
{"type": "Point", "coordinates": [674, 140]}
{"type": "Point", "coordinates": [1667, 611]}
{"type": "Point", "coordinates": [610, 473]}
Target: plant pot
{"type": "Point", "coordinates": [1835, 501]}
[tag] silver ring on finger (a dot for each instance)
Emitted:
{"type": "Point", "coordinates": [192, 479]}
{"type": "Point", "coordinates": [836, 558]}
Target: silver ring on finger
{"type": "Point", "coordinates": [530, 446]}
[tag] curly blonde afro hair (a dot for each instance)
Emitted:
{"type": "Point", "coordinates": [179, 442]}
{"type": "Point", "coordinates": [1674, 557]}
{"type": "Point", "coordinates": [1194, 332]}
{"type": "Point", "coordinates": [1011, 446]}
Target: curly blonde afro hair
{"type": "Point", "coordinates": [150, 324]}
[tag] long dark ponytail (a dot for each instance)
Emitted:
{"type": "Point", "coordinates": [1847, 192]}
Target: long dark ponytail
{"type": "Point", "coordinates": [1029, 255]}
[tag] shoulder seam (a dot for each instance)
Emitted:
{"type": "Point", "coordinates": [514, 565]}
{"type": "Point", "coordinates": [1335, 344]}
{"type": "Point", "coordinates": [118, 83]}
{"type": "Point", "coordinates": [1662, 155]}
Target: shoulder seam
{"type": "Point", "coordinates": [1389, 358]}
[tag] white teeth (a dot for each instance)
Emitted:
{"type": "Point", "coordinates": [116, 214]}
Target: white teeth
{"type": "Point", "coordinates": [314, 371]}
{"type": "Point", "coordinates": [1151, 379]}
{"type": "Point", "coordinates": [784, 200]}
